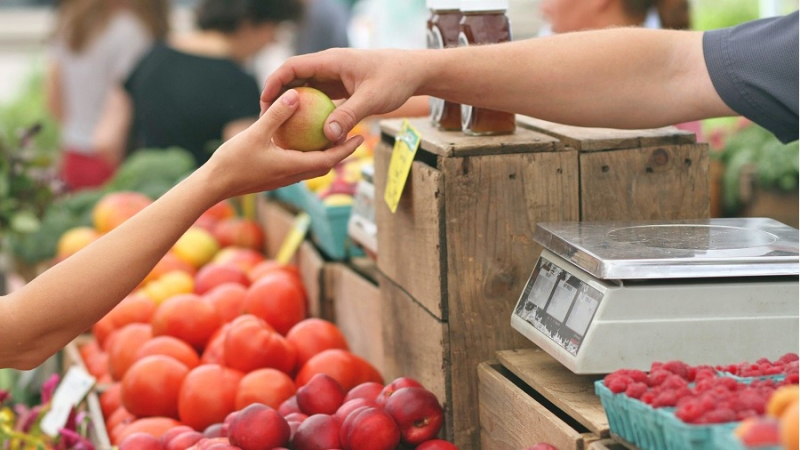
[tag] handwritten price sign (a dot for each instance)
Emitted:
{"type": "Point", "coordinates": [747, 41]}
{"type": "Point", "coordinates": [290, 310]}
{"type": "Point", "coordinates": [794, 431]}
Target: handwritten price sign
{"type": "Point", "coordinates": [405, 147]}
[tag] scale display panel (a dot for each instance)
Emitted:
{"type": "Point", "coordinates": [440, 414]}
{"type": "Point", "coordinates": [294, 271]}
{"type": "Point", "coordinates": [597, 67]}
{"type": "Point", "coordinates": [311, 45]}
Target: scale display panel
{"type": "Point", "coordinates": [606, 296]}
{"type": "Point", "coordinates": [559, 305]}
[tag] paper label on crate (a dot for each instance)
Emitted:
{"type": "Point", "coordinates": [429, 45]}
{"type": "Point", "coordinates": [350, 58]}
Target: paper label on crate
{"type": "Point", "coordinates": [294, 238]}
{"type": "Point", "coordinates": [405, 147]}
{"type": "Point", "coordinates": [69, 393]}
{"type": "Point", "coordinates": [559, 305]}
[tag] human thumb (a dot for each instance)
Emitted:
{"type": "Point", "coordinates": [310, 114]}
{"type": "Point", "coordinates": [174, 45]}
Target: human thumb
{"type": "Point", "coordinates": [279, 111]}
{"type": "Point", "coordinates": [346, 116]}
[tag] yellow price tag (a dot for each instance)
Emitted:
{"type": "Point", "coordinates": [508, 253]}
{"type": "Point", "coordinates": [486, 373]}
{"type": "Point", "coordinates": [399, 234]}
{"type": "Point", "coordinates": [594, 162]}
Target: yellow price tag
{"type": "Point", "coordinates": [405, 147]}
{"type": "Point", "coordinates": [293, 239]}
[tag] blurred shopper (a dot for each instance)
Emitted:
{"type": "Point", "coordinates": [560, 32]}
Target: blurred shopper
{"type": "Point", "coordinates": [567, 16]}
{"type": "Point", "coordinates": [192, 91]}
{"type": "Point", "coordinates": [95, 45]}
{"type": "Point", "coordinates": [323, 26]}
{"type": "Point", "coordinates": [576, 15]}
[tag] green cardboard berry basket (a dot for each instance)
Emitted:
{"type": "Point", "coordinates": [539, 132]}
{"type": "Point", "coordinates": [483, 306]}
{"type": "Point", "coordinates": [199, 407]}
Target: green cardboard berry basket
{"type": "Point", "coordinates": [635, 421]}
{"type": "Point", "coordinates": [724, 439]}
{"type": "Point", "coordinates": [328, 223]}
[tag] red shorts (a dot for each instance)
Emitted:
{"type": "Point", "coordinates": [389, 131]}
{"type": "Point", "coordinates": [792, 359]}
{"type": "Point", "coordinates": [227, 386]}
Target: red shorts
{"type": "Point", "coordinates": [81, 171]}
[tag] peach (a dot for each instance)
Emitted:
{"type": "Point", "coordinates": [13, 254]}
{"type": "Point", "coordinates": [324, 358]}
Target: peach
{"type": "Point", "coordinates": [169, 435]}
{"type": "Point", "coordinates": [369, 390]}
{"type": "Point", "coordinates": [246, 258]}
{"type": "Point", "coordinates": [74, 240]}
{"type": "Point", "coordinates": [756, 432]}
{"type": "Point", "coordinates": [140, 441]}
{"type": "Point", "coordinates": [399, 383]}
{"type": "Point", "coordinates": [318, 432]}
{"type": "Point", "coordinates": [417, 412]}
{"type": "Point", "coordinates": [258, 427]}
{"type": "Point", "coordinates": [117, 207]}
{"type": "Point", "coordinates": [184, 440]}
{"type": "Point", "coordinates": [215, 430]}
{"type": "Point", "coordinates": [438, 444]}
{"type": "Point", "coordinates": [304, 129]}
{"type": "Point", "coordinates": [352, 405]}
{"type": "Point", "coordinates": [788, 427]}
{"type": "Point", "coordinates": [781, 399]}
{"type": "Point", "coordinates": [321, 395]}
{"type": "Point", "coordinates": [213, 275]}
{"type": "Point", "coordinates": [240, 233]}
{"type": "Point", "coordinates": [289, 406]}
{"type": "Point", "coordinates": [369, 428]}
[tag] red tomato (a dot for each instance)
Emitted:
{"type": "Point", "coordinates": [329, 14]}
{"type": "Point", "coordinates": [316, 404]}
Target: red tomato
{"type": "Point", "coordinates": [312, 336]}
{"type": "Point", "coordinates": [267, 386]}
{"type": "Point", "coordinates": [251, 344]}
{"type": "Point", "coordinates": [207, 395]}
{"type": "Point", "coordinates": [228, 300]}
{"type": "Point", "coordinates": [186, 317]}
{"type": "Point", "coordinates": [277, 299]}
{"type": "Point", "coordinates": [123, 347]}
{"type": "Point", "coordinates": [151, 385]}
{"type": "Point", "coordinates": [346, 368]}
{"type": "Point", "coordinates": [170, 346]}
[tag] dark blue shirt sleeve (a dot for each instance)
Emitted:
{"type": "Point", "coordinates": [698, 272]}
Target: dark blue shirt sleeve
{"type": "Point", "coordinates": [754, 68]}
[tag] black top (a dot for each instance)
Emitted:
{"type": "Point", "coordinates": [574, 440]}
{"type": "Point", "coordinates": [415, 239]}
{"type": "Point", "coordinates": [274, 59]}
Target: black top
{"type": "Point", "coordinates": [754, 69]}
{"type": "Point", "coordinates": [186, 100]}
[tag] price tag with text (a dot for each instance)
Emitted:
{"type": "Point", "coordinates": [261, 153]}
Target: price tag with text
{"type": "Point", "coordinates": [405, 147]}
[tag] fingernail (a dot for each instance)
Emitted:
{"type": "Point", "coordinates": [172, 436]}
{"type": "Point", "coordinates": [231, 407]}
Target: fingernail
{"type": "Point", "coordinates": [289, 98]}
{"type": "Point", "coordinates": [336, 129]}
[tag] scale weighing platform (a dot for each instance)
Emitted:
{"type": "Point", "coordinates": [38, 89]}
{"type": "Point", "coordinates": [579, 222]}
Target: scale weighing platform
{"type": "Point", "coordinates": [606, 296]}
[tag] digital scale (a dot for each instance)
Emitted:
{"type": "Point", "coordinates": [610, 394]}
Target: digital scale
{"type": "Point", "coordinates": [607, 296]}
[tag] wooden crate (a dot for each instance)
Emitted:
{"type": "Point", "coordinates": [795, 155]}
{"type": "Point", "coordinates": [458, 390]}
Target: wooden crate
{"type": "Point", "coordinates": [357, 312]}
{"type": "Point", "coordinates": [458, 250]}
{"type": "Point", "coordinates": [277, 220]}
{"type": "Point", "coordinates": [98, 435]}
{"type": "Point", "coordinates": [528, 397]}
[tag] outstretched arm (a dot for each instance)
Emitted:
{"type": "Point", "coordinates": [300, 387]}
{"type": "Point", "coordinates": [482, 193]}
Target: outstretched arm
{"type": "Point", "coordinates": [620, 78]}
{"type": "Point", "coordinates": [47, 313]}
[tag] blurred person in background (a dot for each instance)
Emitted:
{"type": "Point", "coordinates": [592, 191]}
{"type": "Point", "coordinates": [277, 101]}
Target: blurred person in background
{"type": "Point", "coordinates": [192, 91]}
{"type": "Point", "coordinates": [95, 45]}
{"type": "Point", "coordinates": [566, 16]}
{"type": "Point", "coordinates": [323, 26]}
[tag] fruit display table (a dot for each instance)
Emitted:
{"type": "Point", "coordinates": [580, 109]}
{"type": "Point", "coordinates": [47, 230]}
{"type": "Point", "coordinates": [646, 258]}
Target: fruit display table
{"type": "Point", "coordinates": [455, 255]}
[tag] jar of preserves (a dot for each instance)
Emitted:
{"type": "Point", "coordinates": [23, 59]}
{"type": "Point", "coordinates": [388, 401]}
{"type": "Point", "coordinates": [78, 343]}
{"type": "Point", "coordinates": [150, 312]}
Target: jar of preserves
{"type": "Point", "coordinates": [484, 22]}
{"type": "Point", "coordinates": [443, 30]}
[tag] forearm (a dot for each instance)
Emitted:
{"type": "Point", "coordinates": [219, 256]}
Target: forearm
{"type": "Point", "coordinates": [620, 78]}
{"type": "Point", "coordinates": [51, 310]}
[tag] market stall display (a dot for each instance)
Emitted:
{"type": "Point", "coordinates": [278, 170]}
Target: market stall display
{"type": "Point", "coordinates": [459, 244]}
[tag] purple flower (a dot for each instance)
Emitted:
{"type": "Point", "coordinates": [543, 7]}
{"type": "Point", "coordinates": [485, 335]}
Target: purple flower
{"type": "Point", "coordinates": [49, 387]}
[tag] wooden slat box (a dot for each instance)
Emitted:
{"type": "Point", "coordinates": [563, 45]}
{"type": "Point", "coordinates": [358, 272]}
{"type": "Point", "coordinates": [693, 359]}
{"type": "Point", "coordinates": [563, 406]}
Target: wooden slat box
{"type": "Point", "coordinates": [528, 397]}
{"type": "Point", "coordinates": [458, 250]}
{"type": "Point", "coordinates": [357, 310]}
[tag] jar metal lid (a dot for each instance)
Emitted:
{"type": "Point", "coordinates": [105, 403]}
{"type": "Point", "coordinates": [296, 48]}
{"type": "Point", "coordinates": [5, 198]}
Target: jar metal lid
{"type": "Point", "coordinates": [483, 5]}
{"type": "Point", "coordinates": [443, 5]}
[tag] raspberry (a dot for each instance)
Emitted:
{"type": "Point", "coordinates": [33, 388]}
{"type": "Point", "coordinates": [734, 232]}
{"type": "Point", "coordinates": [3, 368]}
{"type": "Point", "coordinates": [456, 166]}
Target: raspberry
{"type": "Point", "coordinates": [789, 357]}
{"type": "Point", "coordinates": [619, 384]}
{"type": "Point", "coordinates": [637, 375]}
{"type": "Point", "coordinates": [678, 368]}
{"type": "Point", "coordinates": [674, 382]}
{"type": "Point", "coordinates": [690, 411]}
{"type": "Point", "coordinates": [656, 366]}
{"type": "Point", "coordinates": [718, 416]}
{"type": "Point", "coordinates": [658, 376]}
{"type": "Point", "coordinates": [648, 397]}
{"type": "Point", "coordinates": [763, 361]}
{"type": "Point", "coordinates": [704, 374]}
{"type": "Point", "coordinates": [792, 378]}
{"type": "Point", "coordinates": [665, 399]}
{"type": "Point", "coordinates": [635, 390]}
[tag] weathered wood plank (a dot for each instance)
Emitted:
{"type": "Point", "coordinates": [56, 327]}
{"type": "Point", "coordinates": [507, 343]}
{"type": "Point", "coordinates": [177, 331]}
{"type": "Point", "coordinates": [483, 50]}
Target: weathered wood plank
{"type": "Point", "coordinates": [311, 266]}
{"type": "Point", "coordinates": [510, 419]}
{"type": "Point", "coordinates": [411, 239]}
{"type": "Point", "coordinates": [456, 143]}
{"type": "Point", "coordinates": [573, 394]}
{"type": "Point", "coordinates": [357, 312]}
{"type": "Point", "coordinates": [606, 444]}
{"type": "Point", "coordinates": [415, 345]}
{"type": "Point", "coordinates": [652, 183]}
{"type": "Point", "coordinates": [598, 139]}
{"type": "Point", "coordinates": [493, 205]}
